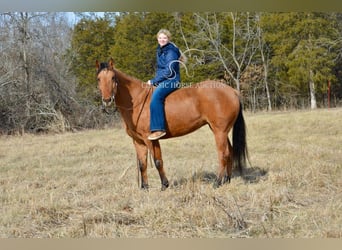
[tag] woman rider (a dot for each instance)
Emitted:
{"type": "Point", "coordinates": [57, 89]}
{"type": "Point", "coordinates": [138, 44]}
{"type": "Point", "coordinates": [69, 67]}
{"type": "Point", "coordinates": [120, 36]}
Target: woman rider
{"type": "Point", "coordinates": [166, 80]}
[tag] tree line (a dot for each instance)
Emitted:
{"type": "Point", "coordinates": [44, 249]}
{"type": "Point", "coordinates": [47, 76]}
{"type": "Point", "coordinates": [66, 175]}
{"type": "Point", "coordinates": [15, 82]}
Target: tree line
{"type": "Point", "coordinates": [276, 60]}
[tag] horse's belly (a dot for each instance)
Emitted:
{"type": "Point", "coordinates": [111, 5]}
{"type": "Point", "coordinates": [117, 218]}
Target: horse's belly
{"type": "Point", "coordinates": [182, 122]}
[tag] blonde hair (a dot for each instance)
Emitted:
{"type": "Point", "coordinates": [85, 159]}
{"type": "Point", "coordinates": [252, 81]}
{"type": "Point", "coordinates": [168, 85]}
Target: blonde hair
{"type": "Point", "coordinates": [165, 32]}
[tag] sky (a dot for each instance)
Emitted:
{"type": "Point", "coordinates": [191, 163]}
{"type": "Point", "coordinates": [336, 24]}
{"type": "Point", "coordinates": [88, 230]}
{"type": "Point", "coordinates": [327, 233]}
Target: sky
{"type": "Point", "coordinates": [72, 17]}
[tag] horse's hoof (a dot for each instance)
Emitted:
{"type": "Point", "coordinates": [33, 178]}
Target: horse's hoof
{"type": "Point", "coordinates": [144, 187]}
{"type": "Point", "coordinates": [217, 184]}
{"type": "Point", "coordinates": [165, 186]}
{"type": "Point", "coordinates": [226, 179]}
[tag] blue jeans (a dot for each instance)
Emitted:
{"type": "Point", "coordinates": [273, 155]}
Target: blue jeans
{"type": "Point", "coordinates": [157, 112]}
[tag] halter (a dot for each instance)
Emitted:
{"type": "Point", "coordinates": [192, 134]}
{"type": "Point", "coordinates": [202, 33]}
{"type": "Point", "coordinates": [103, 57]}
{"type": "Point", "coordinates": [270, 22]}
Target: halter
{"type": "Point", "coordinates": [112, 98]}
{"type": "Point", "coordinates": [115, 84]}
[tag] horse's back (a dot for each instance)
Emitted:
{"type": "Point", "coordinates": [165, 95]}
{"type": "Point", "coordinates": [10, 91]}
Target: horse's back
{"type": "Point", "coordinates": [206, 94]}
{"type": "Point", "coordinates": [219, 102]}
{"type": "Point", "coordinates": [216, 90]}
{"type": "Point", "coordinates": [207, 102]}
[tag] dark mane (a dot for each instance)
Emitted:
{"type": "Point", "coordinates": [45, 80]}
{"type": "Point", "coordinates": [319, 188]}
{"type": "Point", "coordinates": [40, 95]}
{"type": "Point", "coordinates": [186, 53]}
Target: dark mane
{"type": "Point", "coordinates": [127, 77]}
{"type": "Point", "coordinates": [103, 65]}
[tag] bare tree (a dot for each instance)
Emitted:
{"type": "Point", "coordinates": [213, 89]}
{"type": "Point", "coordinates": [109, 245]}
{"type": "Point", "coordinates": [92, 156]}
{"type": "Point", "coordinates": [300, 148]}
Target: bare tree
{"type": "Point", "coordinates": [264, 59]}
{"type": "Point", "coordinates": [235, 52]}
{"type": "Point", "coordinates": [36, 86]}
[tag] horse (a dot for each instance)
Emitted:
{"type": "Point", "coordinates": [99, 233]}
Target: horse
{"type": "Point", "coordinates": [186, 110]}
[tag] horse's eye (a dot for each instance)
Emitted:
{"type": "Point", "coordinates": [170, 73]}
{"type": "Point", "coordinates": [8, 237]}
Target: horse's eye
{"type": "Point", "coordinates": [98, 79]}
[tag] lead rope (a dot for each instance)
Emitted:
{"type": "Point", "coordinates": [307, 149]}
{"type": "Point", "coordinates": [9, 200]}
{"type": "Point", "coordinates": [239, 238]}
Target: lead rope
{"type": "Point", "coordinates": [136, 105]}
{"type": "Point", "coordinates": [138, 173]}
{"type": "Point", "coordinates": [143, 104]}
{"type": "Point", "coordinates": [149, 158]}
{"type": "Point", "coordinates": [148, 151]}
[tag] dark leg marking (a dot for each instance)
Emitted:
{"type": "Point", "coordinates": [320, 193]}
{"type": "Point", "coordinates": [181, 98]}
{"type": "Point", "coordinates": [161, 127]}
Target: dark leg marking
{"type": "Point", "coordinates": [159, 166]}
{"type": "Point", "coordinates": [158, 163]}
{"type": "Point", "coordinates": [141, 167]}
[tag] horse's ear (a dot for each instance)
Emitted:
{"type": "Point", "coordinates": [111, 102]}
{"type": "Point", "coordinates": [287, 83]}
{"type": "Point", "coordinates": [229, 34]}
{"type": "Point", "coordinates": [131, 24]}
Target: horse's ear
{"type": "Point", "coordinates": [97, 65]}
{"type": "Point", "coordinates": [111, 63]}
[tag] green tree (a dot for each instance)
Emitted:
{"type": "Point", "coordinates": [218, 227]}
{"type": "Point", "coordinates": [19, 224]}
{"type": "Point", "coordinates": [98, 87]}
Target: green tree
{"type": "Point", "coordinates": [91, 41]}
{"type": "Point", "coordinates": [302, 59]}
{"type": "Point", "coordinates": [336, 89]}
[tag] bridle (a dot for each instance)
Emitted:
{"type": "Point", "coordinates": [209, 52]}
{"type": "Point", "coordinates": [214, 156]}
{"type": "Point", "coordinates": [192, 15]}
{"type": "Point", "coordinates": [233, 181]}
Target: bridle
{"type": "Point", "coordinates": [106, 102]}
{"type": "Point", "coordinates": [112, 98]}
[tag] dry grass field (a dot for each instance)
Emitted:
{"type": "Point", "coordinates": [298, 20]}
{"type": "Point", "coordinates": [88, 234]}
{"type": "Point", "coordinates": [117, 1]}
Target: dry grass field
{"type": "Point", "coordinates": [84, 184]}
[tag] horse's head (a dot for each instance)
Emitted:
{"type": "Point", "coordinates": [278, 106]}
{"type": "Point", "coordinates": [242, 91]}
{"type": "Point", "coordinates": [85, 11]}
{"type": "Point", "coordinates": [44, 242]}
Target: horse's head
{"type": "Point", "coordinates": [107, 82]}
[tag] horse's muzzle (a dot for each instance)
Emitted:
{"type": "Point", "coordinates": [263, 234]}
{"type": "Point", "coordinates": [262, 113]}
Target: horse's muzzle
{"type": "Point", "coordinates": [107, 102]}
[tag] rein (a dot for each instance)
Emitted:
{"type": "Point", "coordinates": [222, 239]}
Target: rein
{"type": "Point", "coordinates": [116, 82]}
{"type": "Point", "coordinates": [142, 102]}
{"type": "Point", "coordinates": [139, 103]}
{"type": "Point", "coordinates": [141, 98]}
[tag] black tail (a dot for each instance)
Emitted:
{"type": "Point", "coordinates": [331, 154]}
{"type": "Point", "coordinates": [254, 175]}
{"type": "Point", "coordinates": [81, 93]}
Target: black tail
{"type": "Point", "coordinates": [240, 151]}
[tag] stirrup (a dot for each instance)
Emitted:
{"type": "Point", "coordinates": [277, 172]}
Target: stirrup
{"type": "Point", "coordinates": [156, 135]}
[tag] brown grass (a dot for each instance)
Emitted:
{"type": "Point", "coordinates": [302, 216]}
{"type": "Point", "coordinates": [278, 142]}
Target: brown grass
{"type": "Point", "coordinates": [84, 184]}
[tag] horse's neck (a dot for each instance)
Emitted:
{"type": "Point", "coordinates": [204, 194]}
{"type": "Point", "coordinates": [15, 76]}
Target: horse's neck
{"type": "Point", "coordinates": [129, 89]}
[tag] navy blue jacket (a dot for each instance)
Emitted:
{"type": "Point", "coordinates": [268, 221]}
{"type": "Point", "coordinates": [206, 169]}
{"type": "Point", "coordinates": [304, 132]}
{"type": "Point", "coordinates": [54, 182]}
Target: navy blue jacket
{"type": "Point", "coordinates": [167, 64]}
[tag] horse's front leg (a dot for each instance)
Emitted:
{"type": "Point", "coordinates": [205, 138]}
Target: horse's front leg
{"type": "Point", "coordinates": [158, 162]}
{"type": "Point", "coordinates": [141, 150]}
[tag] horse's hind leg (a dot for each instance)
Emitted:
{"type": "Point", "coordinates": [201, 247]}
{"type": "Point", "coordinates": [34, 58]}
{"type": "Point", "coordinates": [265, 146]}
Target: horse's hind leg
{"type": "Point", "coordinates": [158, 161]}
{"type": "Point", "coordinates": [223, 150]}
{"type": "Point", "coordinates": [141, 150]}
{"type": "Point", "coordinates": [229, 166]}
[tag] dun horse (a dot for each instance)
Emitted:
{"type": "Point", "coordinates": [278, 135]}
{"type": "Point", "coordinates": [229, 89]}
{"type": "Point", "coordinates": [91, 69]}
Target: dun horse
{"type": "Point", "coordinates": [186, 109]}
